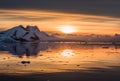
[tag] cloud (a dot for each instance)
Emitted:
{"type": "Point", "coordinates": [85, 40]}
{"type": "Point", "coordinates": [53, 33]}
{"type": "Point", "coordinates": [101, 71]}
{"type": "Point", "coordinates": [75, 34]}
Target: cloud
{"type": "Point", "coordinates": [11, 15]}
{"type": "Point", "coordinates": [25, 18]}
{"type": "Point", "coordinates": [24, 15]}
{"type": "Point", "coordinates": [95, 7]}
{"type": "Point", "coordinates": [50, 21]}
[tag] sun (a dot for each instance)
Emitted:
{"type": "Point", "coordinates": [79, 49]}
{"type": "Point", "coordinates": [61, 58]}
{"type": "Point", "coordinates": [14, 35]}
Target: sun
{"type": "Point", "coordinates": [67, 29]}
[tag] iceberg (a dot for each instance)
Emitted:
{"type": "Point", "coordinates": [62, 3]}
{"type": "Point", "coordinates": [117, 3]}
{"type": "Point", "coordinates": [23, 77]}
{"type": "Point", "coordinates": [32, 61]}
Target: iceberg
{"type": "Point", "coordinates": [22, 34]}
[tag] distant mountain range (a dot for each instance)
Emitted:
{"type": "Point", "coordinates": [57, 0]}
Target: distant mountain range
{"type": "Point", "coordinates": [22, 34]}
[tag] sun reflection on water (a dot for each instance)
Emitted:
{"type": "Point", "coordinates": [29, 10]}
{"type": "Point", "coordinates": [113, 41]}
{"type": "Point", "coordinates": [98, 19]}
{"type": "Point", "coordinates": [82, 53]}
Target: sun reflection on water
{"type": "Point", "coordinates": [55, 57]}
{"type": "Point", "coordinates": [67, 53]}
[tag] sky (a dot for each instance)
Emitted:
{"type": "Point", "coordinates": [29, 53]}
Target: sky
{"type": "Point", "coordinates": [85, 16]}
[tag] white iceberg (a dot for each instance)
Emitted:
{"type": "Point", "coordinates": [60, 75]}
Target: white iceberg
{"type": "Point", "coordinates": [21, 34]}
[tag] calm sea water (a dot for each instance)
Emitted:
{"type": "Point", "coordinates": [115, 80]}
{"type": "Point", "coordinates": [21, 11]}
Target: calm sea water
{"type": "Point", "coordinates": [26, 58]}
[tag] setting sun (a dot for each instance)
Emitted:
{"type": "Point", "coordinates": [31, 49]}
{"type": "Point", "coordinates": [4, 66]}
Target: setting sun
{"type": "Point", "coordinates": [67, 29]}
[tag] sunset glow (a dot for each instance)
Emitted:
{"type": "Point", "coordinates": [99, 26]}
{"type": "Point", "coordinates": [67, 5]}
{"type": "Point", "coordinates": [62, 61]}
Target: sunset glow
{"type": "Point", "coordinates": [67, 23]}
{"type": "Point", "coordinates": [67, 29]}
{"type": "Point", "coordinates": [59, 40]}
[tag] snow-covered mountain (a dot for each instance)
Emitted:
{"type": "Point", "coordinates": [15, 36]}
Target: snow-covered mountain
{"type": "Point", "coordinates": [22, 34]}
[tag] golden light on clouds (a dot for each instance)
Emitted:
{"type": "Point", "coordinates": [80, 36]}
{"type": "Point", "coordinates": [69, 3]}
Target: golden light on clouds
{"type": "Point", "coordinates": [50, 21]}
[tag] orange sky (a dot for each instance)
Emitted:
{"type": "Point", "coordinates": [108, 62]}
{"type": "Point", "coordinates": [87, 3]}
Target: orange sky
{"type": "Point", "coordinates": [52, 21]}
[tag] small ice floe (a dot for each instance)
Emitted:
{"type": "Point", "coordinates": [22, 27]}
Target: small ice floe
{"type": "Point", "coordinates": [105, 46]}
{"type": "Point", "coordinates": [25, 62]}
{"type": "Point", "coordinates": [77, 65]}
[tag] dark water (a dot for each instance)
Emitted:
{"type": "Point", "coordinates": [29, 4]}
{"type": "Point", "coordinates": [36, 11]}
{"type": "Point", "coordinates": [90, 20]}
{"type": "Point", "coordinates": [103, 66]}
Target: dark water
{"type": "Point", "coordinates": [58, 61]}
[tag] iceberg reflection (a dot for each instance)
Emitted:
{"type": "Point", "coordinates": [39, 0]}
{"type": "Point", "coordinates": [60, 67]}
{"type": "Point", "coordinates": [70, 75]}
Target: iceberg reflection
{"type": "Point", "coordinates": [20, 49]}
